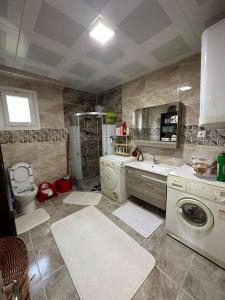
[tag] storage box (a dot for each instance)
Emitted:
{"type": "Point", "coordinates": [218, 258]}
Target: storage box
{"type": "Point", "coordinates": [64, 185]}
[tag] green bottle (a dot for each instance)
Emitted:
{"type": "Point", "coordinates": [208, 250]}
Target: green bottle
{"type": "Point", "coordinates": [221, 167]}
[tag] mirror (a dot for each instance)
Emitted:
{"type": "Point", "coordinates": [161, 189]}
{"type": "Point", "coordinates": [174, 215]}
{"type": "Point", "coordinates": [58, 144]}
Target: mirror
{"type": "Point", "coordinates": [159, 125]}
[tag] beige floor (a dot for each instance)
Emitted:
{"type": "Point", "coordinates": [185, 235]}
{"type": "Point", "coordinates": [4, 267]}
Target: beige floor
{"type": "Point", "coordinates": [180, 273]}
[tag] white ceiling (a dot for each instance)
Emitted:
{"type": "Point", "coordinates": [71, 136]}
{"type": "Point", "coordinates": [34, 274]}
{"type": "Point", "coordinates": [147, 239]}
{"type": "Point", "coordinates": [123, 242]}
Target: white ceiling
{"type": "Point", "coordinates": [51, 37]}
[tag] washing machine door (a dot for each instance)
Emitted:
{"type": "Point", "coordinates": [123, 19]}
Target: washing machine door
{"type": "Point", "coordinates": [108, 178]}
{"type": "Point", "coordinates": [194, 214]}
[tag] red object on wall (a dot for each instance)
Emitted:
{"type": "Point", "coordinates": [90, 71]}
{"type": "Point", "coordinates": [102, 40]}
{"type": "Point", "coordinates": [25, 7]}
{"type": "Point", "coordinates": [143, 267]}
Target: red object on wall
{"type": "Point", "coordinates": [64, 185]}
{"type": "Point", "coordinates": [45, 191]}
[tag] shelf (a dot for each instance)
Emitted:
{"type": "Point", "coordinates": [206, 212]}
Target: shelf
{"type": "Point", "coordinates": [122, 154]}
{"type": "Point", "coordinates": [171, 145]}
{"type": "Point", "coordinates": [118, 144]}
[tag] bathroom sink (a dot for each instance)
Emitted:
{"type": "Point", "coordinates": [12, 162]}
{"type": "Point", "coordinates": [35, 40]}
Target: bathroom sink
{"type": "Point", "coordinates": [151, 167]}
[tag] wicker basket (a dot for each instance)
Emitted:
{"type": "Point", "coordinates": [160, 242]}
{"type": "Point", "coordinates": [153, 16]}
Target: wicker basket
{"type": "Point", "coordinates": [14, 265]}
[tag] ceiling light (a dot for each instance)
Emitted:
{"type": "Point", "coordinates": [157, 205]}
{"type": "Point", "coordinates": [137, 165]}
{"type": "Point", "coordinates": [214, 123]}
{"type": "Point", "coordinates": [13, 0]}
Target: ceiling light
{"type": "Point", "coordinates": [101, 32]}
{"type": "Point", "coordinates": [185, 88]}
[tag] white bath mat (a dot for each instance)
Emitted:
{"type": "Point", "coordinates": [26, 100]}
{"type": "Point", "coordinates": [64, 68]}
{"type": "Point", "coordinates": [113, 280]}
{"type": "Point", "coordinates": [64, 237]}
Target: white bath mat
{"type": "Point", "coordinates": [83, 198]}
{"type": "Point", "coordinates": [138, 218]}
{"type": "Point", "coordinates": [29, 221]}
{"type": "Point", "coordinates": [103, 261]}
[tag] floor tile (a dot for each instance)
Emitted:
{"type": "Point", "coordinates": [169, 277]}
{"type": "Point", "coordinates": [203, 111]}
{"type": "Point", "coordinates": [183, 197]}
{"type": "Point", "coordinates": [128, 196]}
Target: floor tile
{"type": "Point", "coordinates": [48, 206]}
{"type": "Point", "coordinates": [40, 233]}
{"type": "Point", "coordinates": [37, 292]}
{"type": "Point", "coordinates": [33, 271]}
{"type": "Point", "coordinates": [205, 280]}
{"type": "Point", "coordinates": [184, 296]}
{"type": "Point", "coordinates": [48, 258]}
{"type": "Point", "coordinates": [66, 209]}
{"type": "Point", "coordinates": [107, 206]}
{"type": "Point", "coordinates": [27, 240]}
{"type": "Point", "coordinates": [171, 256]}
{"type": "Point", "coordinates": [59, 286]}
{"type": "Point", "coordinates": [157, 286]}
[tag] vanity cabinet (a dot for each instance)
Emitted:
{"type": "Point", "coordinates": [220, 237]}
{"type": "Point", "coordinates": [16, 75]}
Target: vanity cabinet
{"type": "Point", "coordinates": [147, 186]}
{"type": "Point", "coordinates": [134, 182]}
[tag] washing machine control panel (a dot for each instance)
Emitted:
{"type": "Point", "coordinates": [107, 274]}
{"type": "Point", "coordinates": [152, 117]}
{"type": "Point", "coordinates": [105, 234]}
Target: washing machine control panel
{"type": "Point", "coordinates": [196, 188]}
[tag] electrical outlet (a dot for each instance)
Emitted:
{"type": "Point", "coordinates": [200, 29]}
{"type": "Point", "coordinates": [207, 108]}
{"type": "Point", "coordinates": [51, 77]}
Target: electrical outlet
{"type": "Point", "coordinates": [202, 134]}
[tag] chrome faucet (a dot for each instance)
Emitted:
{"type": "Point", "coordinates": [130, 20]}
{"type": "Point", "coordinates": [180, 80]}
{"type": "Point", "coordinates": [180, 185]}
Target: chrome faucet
{"type": "Point", "coordinates": [155, 159]}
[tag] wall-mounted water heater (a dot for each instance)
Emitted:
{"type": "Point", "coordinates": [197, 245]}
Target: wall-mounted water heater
{"type": "Point", "coordinates": [212, 99]}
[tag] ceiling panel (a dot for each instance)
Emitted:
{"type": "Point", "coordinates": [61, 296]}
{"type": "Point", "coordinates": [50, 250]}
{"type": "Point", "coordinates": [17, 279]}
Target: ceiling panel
{"type": "Point", "coordinates": [35, 70]}
{"type": "Point", "coordinates": [83, 70]}
{"type": "Point", "coordinates": [2, 40]}
{"type": "Point", "coordinates": [51, 37]}
{"type": "Point", "coordinates": [3, 8]}
{"type": "Point", "coordinates": [54, 25]}
{"type": "Point", "coordinates": [110, 80]}
{"type": "Point", "coordinates": [200, 2]}
{"type": "Point", "coordinates": [105, 55]}
{"type": "Point", "coordinates": [43, 55]}
{"type": "Point", "coordinates": [97, 5]}
{"type": "Point", "coordinates": [170, 50]}
{"type": "Point", "coordinates": [2, 60]}
{"type": "Point", "coordinates": [133, 68]}
{"type": "Point", "coordinates": [145, 21]}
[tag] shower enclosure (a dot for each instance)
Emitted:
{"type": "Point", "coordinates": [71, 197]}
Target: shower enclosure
{"type": "Point", "coordinates": [88, 141]}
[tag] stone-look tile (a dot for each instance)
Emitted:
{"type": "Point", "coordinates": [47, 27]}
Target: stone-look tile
{"type": "Point", "coordinates": [50, 98]}
{"type": "Point", "coordinates": [27, 240]}
{"type": "Point", "coordinates": [205, 280]}
{"type": "Point", "coordinates": [37, 292]}
{"type": "Point", "coordinates": [157, 286]}
{"type": "Point", "coordinates": [172, 257]}
{"type": "Point", "coordinates": [184, 296]}
{"type": "Point", "coordinates": [165, 78]}
{"type": "Point", "coordinates": [190, 70]}
{"type": "Point", "coordinates": [40, 234]}
{"type": "Point", "coordinates": [107, 206]}
{"type": "Point", "coordinates": [48, 159]}
{"type": "Point", "coordinates": [48, 206]}
{"type": "Point", "coordinates": [33, 270]}
{"type": "Point", "coordinates": [48, 258]}
{"type": "Point", "coordinates": [59, 286]}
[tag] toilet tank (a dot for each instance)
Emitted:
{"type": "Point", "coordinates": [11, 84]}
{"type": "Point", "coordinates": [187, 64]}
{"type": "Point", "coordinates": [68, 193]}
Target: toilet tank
{"type": "Point", "coordinates": [212, 97]}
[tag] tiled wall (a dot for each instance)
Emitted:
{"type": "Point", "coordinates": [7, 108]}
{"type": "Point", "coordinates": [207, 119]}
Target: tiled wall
{"type": "Point", "coordinates": [112, 101]}
{"type": "Point", "coordinates": [76, 101]}
{"type": "Point", "coordinates": [162, 87]}
{"type": "Point", "coordinates": [90, 130]}
{"type": "Point", "coordinates": [45, 148]}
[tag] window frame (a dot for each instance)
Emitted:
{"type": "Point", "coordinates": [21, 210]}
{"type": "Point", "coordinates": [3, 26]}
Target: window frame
{"type": "Point", "coordinates": [5, 123]}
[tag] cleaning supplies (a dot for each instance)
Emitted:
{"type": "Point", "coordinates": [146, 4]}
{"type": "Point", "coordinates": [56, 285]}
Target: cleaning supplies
{"type": "Point", "coordinates": [221, 167]}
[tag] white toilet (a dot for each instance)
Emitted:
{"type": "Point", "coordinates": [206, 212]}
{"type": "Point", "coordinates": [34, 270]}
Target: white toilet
{"type": "Point", "coordinates": [23, 187]}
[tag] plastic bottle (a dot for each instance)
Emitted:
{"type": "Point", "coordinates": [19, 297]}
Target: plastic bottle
{"type": "Point", "coordinates": [221, 167]}
{"type": "Point", "coordinates": [124, 128]}
{"type": "Point", "coordinates": [140, 156]}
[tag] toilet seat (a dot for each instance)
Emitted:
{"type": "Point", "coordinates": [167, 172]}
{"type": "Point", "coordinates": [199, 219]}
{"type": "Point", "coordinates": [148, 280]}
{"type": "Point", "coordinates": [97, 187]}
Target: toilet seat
{"type": "Point", "coordinates": [21, 177]}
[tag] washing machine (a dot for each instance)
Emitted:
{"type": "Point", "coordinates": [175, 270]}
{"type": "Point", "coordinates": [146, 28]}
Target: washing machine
{"type": "Point", "coordinates": [195, 213]}
{"type": "Point", "coordinates": [113, 176]}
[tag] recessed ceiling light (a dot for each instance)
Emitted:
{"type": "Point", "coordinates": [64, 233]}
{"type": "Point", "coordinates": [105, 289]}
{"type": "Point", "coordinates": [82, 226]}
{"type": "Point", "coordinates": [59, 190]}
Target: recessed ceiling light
{"type": "Point", "coordinates": [101, 32]}
{"type": "Point", "coordinates": [185, 88]}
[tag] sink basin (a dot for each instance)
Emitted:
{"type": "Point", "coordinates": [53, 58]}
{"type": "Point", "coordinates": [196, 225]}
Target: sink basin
{"type": "Point", "coordinates": [150, 167]}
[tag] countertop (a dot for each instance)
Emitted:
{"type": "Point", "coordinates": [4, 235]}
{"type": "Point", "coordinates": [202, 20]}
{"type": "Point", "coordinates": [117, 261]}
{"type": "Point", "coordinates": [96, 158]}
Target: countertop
{"type": "Point", "coordinates": [148, 166]}
{"type": "Point", "coordinates": [186, 171]}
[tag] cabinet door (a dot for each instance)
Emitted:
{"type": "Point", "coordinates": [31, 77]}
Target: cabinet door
{"type": "Point", "coordinates": [155, 192]}
{"type": "Point", "coordinates": [134, 183]}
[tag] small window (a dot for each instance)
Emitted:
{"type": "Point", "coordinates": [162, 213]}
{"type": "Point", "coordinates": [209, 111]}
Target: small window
{"type": "Point", "coordinates": [19, 109]}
